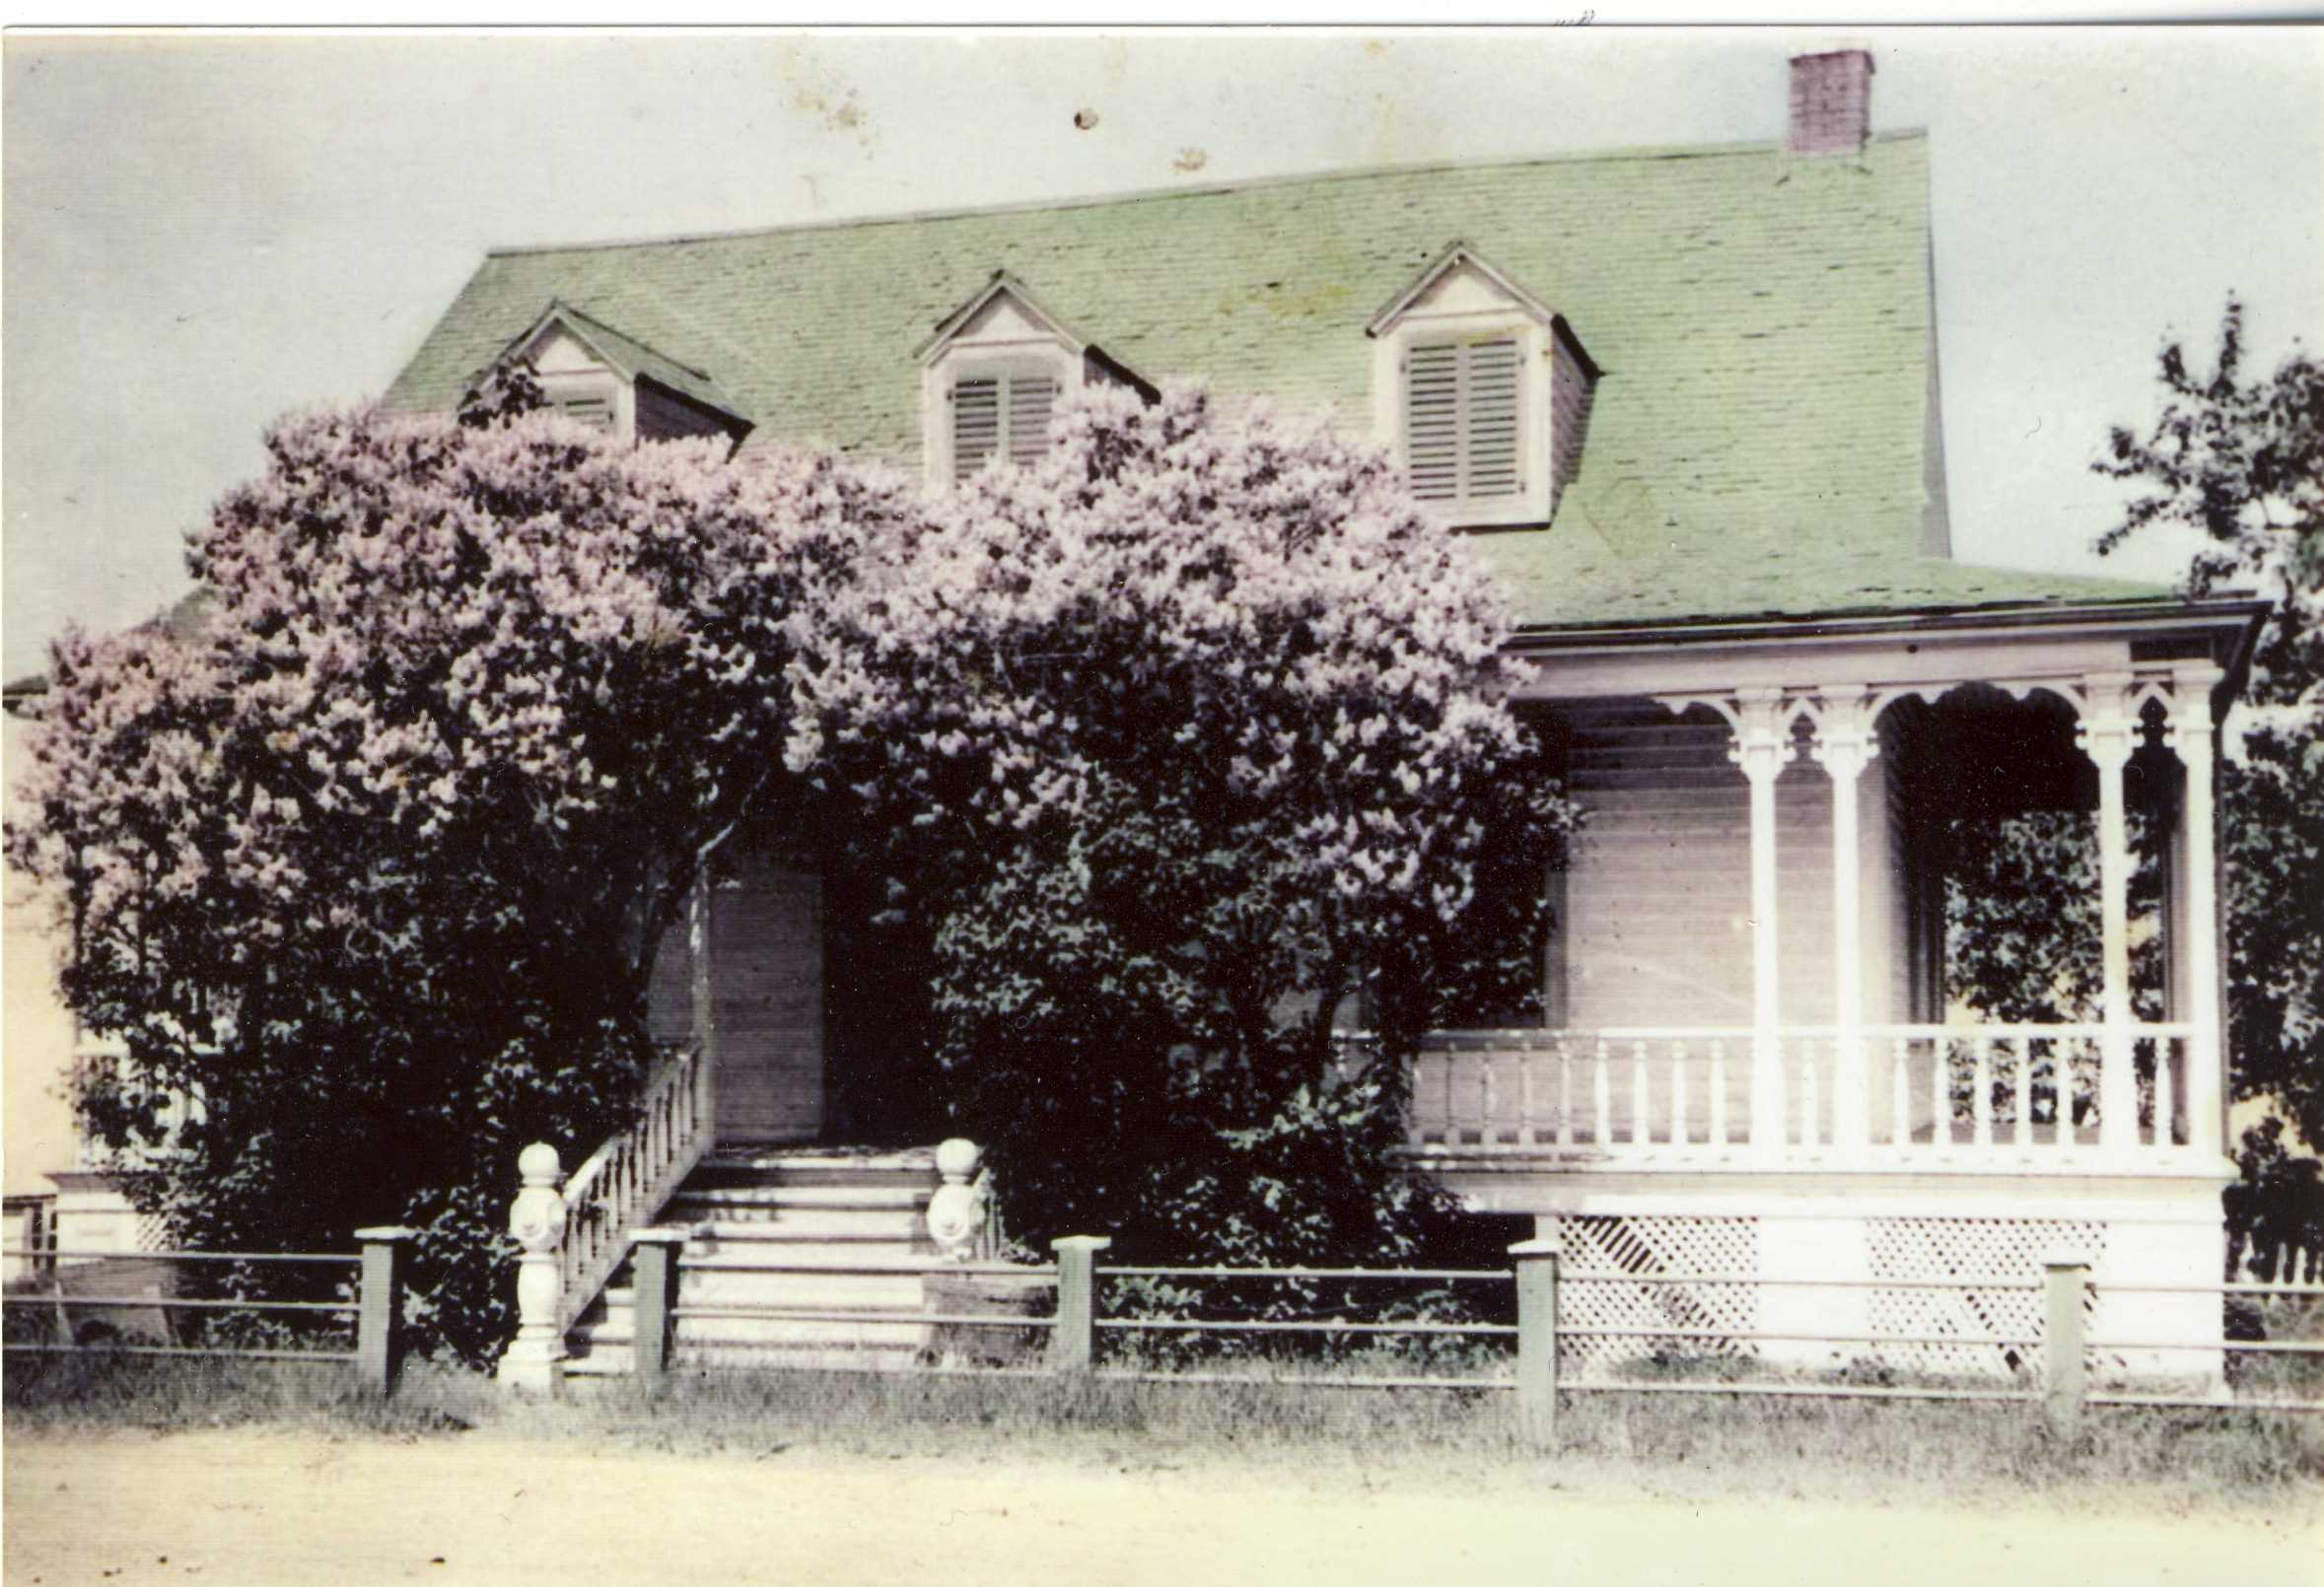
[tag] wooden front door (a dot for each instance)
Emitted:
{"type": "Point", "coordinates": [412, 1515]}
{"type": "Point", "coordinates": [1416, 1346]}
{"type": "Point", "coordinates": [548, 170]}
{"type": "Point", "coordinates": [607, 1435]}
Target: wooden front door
{"type": "Point", "coordinates": [766, 1001]}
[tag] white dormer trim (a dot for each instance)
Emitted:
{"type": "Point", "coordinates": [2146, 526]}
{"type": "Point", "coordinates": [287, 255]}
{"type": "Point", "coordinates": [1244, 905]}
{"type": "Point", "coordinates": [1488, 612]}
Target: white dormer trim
{"type": "Point", "coordinates": [603, 376]}
{"type": "Point", "coordinates": [1002, 332]}
{"type": "Point", "coordinates": [574, 375]}
{"type": "Point", "coordinates": [1462, 301]}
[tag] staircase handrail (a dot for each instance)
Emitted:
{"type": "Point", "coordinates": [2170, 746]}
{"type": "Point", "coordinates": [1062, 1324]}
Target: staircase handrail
{"type": "Point", "coordinates": [628, 1180]}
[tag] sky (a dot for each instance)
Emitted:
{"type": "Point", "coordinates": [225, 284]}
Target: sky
{"type": "Point", "coordinates": [199, 233]}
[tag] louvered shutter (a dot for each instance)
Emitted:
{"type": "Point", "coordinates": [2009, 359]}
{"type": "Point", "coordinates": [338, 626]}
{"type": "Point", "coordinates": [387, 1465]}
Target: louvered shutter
{"type": "Point", "coordinates": [1005, 415]}
{"type": "Point", "coordinates": [1489, 418]}
{"type": "Point", "coordinates": [1432, 421]}
{"type": "Point", "coordinates": [591, 409]}
{"type": "Point", "coordinates": [1031, 397]}
{"type": "Point", "coordinates": [1462, 440]}
{"type": "Point", "coordinates": [976, 424]}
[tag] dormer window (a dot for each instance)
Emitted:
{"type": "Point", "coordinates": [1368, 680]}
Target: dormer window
{"type": "Point", "coordinates": [991, 378]}
{"type": "Point", "coordinates": [1462, 413]}
{"type": "Point", "coordinates": [590, 371]}
{"type": "Point", "coordinates": [1483, 392]}
{"type": "Point", "coordinates": [1002, 411]}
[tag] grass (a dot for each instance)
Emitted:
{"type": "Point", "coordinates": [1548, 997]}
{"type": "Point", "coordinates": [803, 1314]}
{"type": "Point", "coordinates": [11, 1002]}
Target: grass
{"type": "Point", "coordinates": [1982, 1455]}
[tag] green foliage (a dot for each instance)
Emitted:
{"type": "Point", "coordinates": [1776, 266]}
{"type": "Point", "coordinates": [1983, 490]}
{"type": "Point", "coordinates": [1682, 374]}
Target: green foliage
{"type": "Point", "coordinates": [2022, 938]}
{"type": "Point", "coordinates": [2241, 462]}
{"type": "Point", "coordinates": [2275, 1209]}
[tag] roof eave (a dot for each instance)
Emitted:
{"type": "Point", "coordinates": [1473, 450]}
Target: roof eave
{"type": "Point", "coordinates": [2241, 613]}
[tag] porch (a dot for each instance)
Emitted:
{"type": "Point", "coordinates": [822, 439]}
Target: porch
{"type": "Point", "coordinates": [1755, 966]}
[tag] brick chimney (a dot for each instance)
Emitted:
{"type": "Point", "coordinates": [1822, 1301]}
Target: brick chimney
{"type": "Point", "coordinates": [1831, 103]}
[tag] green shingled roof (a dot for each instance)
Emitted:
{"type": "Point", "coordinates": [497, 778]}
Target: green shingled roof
{"type": "Point", "coordinates": [1763, 323]}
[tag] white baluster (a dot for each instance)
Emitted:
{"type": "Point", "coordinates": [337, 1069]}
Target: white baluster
{"type": "Point", "coordinates": [2165, 1103]}
{"type": "Point", "coordinates": [1940, 1095]}
{"type": "Point", "coordinates": [1489, 1127]}
{"type": "Point", "coordinates": [1641, 1104]}
{"type": "Point", "coordinates": [1565, 1092]}
{"type": "Point", "coordinates": [1810, 1125]}
{"type": "Point", "coordinates": [1602, 1084]}
{"type": "Point", "coordinates": [1717, 1094]}
{"type": "Point", "coordinates": [1981, 1098]}
{"type": "Point", "coordinates": [2023, 1090]}
{"type": "Point", "coordinates": [2062, 1078]}
{"type": "Point", "coordinates": [1779, 1128]}
{"type": "Point", "coordinates": [1900, 1097]}
{"type": "Point", "coordinates": [1527, 1058]}
{"type": "Point", "coordinates": [1679, 1131]}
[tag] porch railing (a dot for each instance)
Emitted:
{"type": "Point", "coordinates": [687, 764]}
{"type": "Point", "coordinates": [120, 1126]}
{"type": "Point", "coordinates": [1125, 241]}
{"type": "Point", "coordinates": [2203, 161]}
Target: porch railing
{"type": "Point", "coordinates": [628, 1179]}
{"type": "Point", "coordinates": [2000, 1096]}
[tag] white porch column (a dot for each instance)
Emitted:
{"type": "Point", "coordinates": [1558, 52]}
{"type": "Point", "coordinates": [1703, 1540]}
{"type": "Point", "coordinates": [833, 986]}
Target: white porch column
{"type": "Point", "coordinates": [1844, 747]}
{"type": "Point", "coordinates": [2108, 735]}
{"type": "Point", "coordinates": [1763, 742]}
{"type": "Point", "coordinates": [2188, 735]}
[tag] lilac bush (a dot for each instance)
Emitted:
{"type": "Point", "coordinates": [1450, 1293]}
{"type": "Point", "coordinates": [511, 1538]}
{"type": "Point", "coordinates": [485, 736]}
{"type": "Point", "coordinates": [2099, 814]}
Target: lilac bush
{"type": "Point", "coordinates": [1191, 742]}
{"type": "Point", "coordinates": [377, 860]}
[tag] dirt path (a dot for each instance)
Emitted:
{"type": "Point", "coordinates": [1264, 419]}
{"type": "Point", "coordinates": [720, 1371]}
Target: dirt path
{"type": "Point", "coordinates": [271, 1507]}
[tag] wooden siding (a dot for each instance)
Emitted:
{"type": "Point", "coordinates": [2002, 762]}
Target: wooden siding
{"type": "Point", "coordinates": [1657, 914]}
{"type": "Point", "coordinates": [1658, 890]}
{"type": "Point", "coordinates": [663, 417]}
{"type": "Point", "coordinates": [1571, 393]}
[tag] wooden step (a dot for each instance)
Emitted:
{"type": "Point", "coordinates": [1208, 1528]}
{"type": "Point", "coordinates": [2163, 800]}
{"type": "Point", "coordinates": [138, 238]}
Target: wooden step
{"type": "Point", "coordinates": [855, 1219]}
{"type": "Point", "coordinates": [865, 1355]}
{"type": "Point", "coordinates": [700, 1286]}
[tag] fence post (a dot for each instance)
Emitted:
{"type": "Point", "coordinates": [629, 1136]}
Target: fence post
{"type": "Point", "coordinates": [379, 1323]}
{"type": "Point", "coordinates": [653, 1291]}
{"type": "Point", "coordinates": [2062, 1378]}
{"type": "Point", "coordinates": [1071, 1343]}
{"type": "Point", "coordinates": [1537, 1264]}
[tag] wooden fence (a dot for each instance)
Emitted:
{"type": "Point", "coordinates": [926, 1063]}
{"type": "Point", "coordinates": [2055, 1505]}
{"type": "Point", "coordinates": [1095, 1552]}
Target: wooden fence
{"type": "Point", "coordinates": [95, 1302]}
{"type": "Point", "coordinates": [2060, 1387]}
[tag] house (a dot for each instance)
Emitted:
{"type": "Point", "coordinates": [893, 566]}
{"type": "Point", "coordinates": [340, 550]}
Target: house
{"type": "Point", "coordinates": [1686, 403]}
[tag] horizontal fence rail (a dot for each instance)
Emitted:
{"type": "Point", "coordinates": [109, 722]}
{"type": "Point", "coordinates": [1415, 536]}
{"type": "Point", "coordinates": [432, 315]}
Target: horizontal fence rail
{"type": "Point", "coordinates": [1094, 1302]}
{"type": "Point", "coordinates": [2022, 1097]}
{"type": "Point", "coordinates": [70, 1301]}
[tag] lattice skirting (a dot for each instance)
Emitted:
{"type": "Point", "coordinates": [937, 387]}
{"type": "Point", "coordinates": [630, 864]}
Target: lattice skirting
{"type": "Point", "coordinates": [1907, 1327]}
{"type": "Point", "coordinates": [1644, 1246]}
{"type": "Point", "coordinates": [1937, 1248]}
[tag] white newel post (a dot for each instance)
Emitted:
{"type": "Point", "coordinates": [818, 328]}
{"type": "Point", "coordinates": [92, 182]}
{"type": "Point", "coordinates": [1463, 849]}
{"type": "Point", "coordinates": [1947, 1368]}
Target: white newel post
{"type": "Point", "coordinates": [1762, 745]}
{"type": "Point", "coordinates": [2108, 735]}
{"type": "Point", "coordinates": [956, 1207]}
{"type": "Point", "coordinates": [2188, 735]}
{"type": "Point", "coordinates": [536, 1221]}
{"type": "Point", "coordinates": [1844, 747]}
